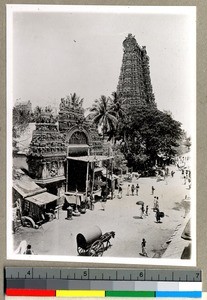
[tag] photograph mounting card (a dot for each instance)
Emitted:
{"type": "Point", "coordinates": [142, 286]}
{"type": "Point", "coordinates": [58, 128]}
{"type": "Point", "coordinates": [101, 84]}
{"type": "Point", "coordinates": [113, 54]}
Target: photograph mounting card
{"type": "Point", "coordinates": [101, 134]}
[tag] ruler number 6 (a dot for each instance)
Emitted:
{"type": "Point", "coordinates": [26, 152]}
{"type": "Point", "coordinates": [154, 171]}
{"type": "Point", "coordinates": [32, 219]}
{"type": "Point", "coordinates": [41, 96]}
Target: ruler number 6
{"type": "Point", "coordinates": [141, 274]}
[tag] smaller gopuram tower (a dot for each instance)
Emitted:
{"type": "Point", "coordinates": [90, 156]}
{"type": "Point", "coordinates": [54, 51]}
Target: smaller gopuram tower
{"type": "Point", "coordinates": [134, 86]}
{"type": "Point", "coordinates": [78, 130]}
{"type": "Point", "coordinates": [46, 157]}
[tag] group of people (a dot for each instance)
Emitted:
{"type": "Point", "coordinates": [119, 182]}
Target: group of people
{"type": "Point", "coordinates": [186, 177]}
{"type": "Point", "coordinates": [133, 188]}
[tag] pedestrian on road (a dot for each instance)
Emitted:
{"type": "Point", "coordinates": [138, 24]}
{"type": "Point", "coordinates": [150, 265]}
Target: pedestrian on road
{"type": "Point", "coordinates": [103, 203]}
{"type": "Point", "coordinates": [142, 208]}
{"type": "Point", "coordinates": [172, 173]}
{"type": "Point", "coordinates": [154, 203]}
{"type": "Point", "coordinates": [157, 203]}
{"type": "Point", "coordinates": [132, 189]}
{"type": "Point", "coordinates": [144, 251]}
{"type": "Point", "coordinates": [184, 180]}
{"type": "Point", "coordinates": [153, 189]}
{"type": "Point", "coordinates": [128, 190]}
{"type": "Point", "coordinates": [157, 215]}
{"type": "Point", "coordinates": [189, 182]}
{"type": "Point", "coordinates": [120, 192]}
{"type": "Point", "coordinates": [91, 202]}
{"type": "Point", "coordinates": [137, 189]}
{"type": "Point", "coordinates": [146, 211]}
{"type": "Point", "coordinates": [29, 250]}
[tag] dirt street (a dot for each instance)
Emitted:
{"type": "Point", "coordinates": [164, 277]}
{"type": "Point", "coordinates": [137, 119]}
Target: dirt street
{"type": "Point", "coordinates": [58, 237]}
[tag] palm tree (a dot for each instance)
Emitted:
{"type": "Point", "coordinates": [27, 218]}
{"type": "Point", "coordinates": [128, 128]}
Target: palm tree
{"type": "Point", "coordinates": [103, 115]}
{"type": "Point", "coordinates": [75, 101]}
{"type": "Point", "coordinates": [117, 106]}
{"type": "Point", "coordinates": [119, 112]}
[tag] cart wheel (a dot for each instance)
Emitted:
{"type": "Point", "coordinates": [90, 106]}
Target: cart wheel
{"type": "Point", "coordinates": [80, 250]}
{"type": "Point", "coordinates": [97, 249]}
{"type": "Point", "coordinates": [28, 222]}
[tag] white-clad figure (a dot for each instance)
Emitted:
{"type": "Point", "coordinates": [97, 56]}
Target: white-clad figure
{"type": "Point", "coordinates": [21, 248]}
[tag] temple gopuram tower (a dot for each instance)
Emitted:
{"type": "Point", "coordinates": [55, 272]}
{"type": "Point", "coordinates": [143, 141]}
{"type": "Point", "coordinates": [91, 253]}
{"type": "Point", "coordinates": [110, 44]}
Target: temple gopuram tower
{"type": "Point", "coordinates": [46, 157]}
{"type": "Point", "coordinates": [134, 86]}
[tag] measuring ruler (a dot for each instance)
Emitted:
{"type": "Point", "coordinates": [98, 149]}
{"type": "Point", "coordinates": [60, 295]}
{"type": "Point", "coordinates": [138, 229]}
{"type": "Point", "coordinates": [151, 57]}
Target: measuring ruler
{"type": "Point", "coordinates": [66, 282]}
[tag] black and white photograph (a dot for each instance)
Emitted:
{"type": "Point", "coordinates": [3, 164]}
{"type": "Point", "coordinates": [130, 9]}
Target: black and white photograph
{"type": "Point", "coordinates": [101, 134]}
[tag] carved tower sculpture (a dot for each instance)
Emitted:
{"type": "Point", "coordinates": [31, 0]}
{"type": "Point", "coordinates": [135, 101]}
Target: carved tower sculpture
{"type": "Point", "coordinates": [46, 155]}
{"type": "Point", "coordinates": [134, 86]}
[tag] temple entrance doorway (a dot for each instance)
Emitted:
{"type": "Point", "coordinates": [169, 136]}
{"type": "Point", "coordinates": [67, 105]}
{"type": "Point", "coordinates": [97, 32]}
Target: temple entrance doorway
{"type": "Point", "coordinates": [77, 171]}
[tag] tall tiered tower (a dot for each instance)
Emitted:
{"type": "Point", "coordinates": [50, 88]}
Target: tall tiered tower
{"type": "Point", "coordinates": [134, 86]}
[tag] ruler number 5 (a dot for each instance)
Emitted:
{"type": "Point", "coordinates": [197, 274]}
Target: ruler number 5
{"type": "Point", "coordinates": [85, 273]}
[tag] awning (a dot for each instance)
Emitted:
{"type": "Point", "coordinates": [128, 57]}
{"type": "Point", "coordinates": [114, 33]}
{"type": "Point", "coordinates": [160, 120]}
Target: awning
{"type": "Point", "coordinates": [42, 199]}
{"type": "Point", "coordinates": [90, 158]}
{"type": "Point", "coordinates": [98, 169]}
{"type": "Point", "coordinates": [109, 176]}
{"type": "Point", "coordinates": [78, 146]}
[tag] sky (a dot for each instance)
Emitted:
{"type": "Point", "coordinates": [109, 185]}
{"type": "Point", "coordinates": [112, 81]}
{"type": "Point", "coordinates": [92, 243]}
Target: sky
{"type": "Point", "coordinates": [58, 53]}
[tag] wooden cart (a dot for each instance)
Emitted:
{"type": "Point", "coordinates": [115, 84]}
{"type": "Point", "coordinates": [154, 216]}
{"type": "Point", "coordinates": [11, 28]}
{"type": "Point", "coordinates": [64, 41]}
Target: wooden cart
{"type": "Point", "coordinates": [92, 242]}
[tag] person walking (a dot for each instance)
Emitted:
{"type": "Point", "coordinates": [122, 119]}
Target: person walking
{"type": "Point", "coordinates": [142, 208]}
{"type": "Point", "coordinates": [29, 250]}
{"type": "Point", "coordinates": [128, 190]}
{"type": "Point", "coordinates": [144, 251]}
{"type": "Point", "coordinates": [103, 203]}
{"type": "Point", "coordinates": [132, 189]}
{"type": "Point", "coordinates": [146, 211]}
{"type": "Point", "coordinates": [154, 203]}
{"type": "Point", "coordinates": [120, 192]}
{"type": "Point", "coordinates": [137, 189]}
{"type": "Point", "coordinates": [153, 190]}
{"type": "Point", "coordinates": [157, 215]}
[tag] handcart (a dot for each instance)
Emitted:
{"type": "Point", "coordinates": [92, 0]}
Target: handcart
{"type": "Point", "coordinates": [92, 242]}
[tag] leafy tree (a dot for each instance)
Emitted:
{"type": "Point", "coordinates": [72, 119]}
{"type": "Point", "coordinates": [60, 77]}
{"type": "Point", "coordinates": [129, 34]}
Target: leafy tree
{"type": "Point", "coordinates": [147, 134]}
{"type": "Point", "coordinates": [37, 113]}
{"type": "Point", "coordinates": [188, 143]}
{"type": "Point", "coordinates": [21, 116]}
{"type": "Point", "coordinates": [103, 115]}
